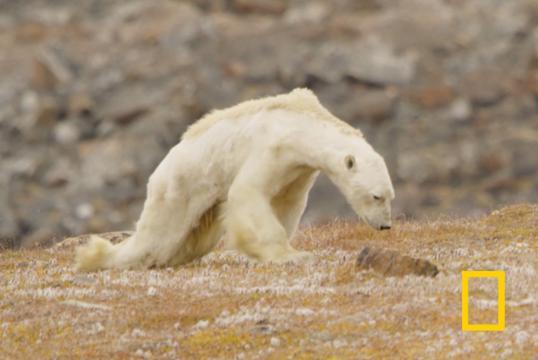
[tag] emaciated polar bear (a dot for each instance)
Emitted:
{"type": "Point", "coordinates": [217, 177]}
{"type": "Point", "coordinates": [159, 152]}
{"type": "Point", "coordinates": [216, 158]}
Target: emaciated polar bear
{"type": "Point", "coordinates": [244, 174]}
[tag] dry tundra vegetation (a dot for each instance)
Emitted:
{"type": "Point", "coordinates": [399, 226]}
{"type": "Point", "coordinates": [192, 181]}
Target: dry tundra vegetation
{"type": "Point", "coordinates": [225, 306]}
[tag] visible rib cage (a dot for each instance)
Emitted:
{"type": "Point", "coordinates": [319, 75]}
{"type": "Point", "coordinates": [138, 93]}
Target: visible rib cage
{"type": "Point", "coordinates": [202, 238]}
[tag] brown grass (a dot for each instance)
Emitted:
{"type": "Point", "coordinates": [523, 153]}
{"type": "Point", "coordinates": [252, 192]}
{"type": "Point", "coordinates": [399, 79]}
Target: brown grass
{"type": "Point", "coordinates": [226, 306]}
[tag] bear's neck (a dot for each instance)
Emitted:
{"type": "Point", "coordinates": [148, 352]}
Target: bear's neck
{"type": "Point", "coordinates": [324, 147]}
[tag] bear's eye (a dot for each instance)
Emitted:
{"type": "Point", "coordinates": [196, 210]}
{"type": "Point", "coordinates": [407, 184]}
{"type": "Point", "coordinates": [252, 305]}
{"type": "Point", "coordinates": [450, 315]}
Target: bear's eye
{"type": "Point", "coordinates": [350, 162]}
{"type": "Point", "coordinates": [376, 197]}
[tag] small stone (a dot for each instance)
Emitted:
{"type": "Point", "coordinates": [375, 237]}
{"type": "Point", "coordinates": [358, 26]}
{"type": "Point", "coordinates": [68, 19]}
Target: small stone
{"type": "Point", "coordinates": [275, 342]}
{"type": "Point", "coordinates": [275, 7]}
{"type": "Point", "coordinates": [337, 343]}
{"type": "Point", "coordinates": [80, 103]}
{"type": "Point", "coordinates": [493, 161]}
{"type": "Point", "coordinates": [375, 105]}
{"type": "Point", "coordinates": [431, 97]}
{"type": "Point", "coordinates": [84, 280]}
{"type": "Point", "coordinates": [152, 291]}
{"type": "Point", "coordinates": [263, 328]}
{"type": "Point", "coordinates": [522, 337]}
{"type": "Point", "coordinates": [84, 211]}
{"type": "Point", "coordinates": [129, 115]}
{"type": "Point", "coordinates": [143, 354]}
{"type": "Point", "coordinates": [30, 32]}
{"type": "Point", "coordinates": [98, 327]}
{"type": "Point", "coordinates": [310, 12]}
{"type": "Point", "coordinates": [42, 77]}
{"type": "Point", "coordinates": [58, 175]}
{"type": "Point", "coordinates": [29, 101]}
{"type": "Point", "coordinates": [126, 105]}
{"type": "Point", "coordinates": [202, 324]}
{"type": "Point", "coordinates": [39, 237]}
{"type": "Point", "coordinates": [8, 223]}
{"type": "Point", "coordinates": [24, 167]}
{"type": "Point", "coordinates": [47, 112]}
{"type": "Point", "coordinates": [484, 87]}
{"type": "Point", "coordinates": [66, 133]}
{"type": "Point", "coordinates": [460, 110]}
{"type": "Point", "coordinates": [375, 62]}
{"type": "Point", "coordinates": [531, 83]}
{"type": "Point", "coordinates": [371, 61]}
{"type": "Point", "coordinates": [304, 312]}
{"type": "Point", "coordinates": [499, 183]}
{"type": "Point", "coordinates": [137, 333]}
{"type": "Point", "coordinates": [391, 263]}
{"type": "Point", "coordinates": [50, 69]}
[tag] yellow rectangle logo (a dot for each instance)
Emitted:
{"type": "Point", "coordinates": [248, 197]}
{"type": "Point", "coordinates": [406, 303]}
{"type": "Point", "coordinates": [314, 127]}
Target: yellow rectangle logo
{"type": "Point", "coordinates": [465, 276]}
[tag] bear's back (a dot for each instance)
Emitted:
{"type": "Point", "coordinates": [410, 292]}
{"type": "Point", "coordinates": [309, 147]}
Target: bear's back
{"type": "Point", "coordinates": [300, 100]}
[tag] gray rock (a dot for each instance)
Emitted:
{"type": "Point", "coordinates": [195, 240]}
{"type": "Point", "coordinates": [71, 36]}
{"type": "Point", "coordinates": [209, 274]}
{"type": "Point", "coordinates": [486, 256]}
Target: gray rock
{"type": "Point", "coordinates": [460, 110]}
{"type": "Point", "coordinates": [67, 133]}
{"type": "Point", "coordinates": [444, 90]}
{"type": "Point", "coordinates": [391, 263]}
{"type": "Point", "coordinates": [275, 7]}
{"type": "Point", "coordinates": [310, 12]}
{"type": "Point", "coordinates": [46, 114]}
{"type": "Point", "coordinates": [370, 61]}
{"type": "Point", "coordinates": [375, 62]}
{"type": "Point", "coordinates": [8, 225]}
{"type": "Point", "coordinates": [375, 105]}
{"type": "Point", "coordinates": [484, 87]}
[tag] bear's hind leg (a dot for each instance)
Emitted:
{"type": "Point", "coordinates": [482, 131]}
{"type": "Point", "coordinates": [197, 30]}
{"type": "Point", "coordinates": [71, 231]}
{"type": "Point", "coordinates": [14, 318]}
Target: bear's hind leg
{"type": "Point", "coordinates": [202, 239]}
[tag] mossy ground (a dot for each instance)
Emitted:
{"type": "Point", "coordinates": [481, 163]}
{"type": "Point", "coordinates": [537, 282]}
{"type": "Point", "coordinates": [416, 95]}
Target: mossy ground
{"type": "Point", "coordinates": [226, 306]}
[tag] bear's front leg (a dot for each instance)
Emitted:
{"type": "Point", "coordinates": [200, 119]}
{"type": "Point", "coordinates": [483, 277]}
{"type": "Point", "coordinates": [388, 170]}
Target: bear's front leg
{"type": "Point", "coordinates": [252, 226]}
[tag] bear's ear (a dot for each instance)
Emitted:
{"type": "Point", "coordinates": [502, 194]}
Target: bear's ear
{"type": "Point", "coordinates": [350, 162]}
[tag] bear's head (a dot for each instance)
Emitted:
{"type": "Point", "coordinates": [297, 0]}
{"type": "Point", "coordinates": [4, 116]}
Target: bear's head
{"type": "Point", "coordinates": [364, 180]}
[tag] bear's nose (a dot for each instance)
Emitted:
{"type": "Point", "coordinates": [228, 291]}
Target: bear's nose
{"type": "Point", "coordinates": [384, 227]}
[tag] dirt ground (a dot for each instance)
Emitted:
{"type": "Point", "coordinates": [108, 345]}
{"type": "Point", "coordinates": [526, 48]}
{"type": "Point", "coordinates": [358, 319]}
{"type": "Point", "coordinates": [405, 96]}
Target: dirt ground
{"type": "Point", "coordinates": [226, 306]}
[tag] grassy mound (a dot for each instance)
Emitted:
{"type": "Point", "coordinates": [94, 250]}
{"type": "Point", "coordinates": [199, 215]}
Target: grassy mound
{"type": "Point", "coordinates": [226, 306]}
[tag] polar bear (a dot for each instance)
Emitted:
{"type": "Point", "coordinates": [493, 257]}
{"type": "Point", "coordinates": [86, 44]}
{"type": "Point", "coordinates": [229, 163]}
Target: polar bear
{"type": "Point", "coordinates": [244, 174]}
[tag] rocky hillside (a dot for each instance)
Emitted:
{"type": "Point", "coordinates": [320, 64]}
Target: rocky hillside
{"type": "Point", "coordinates": [93, 94]}
{"type": "Point", "coordinates": [228, 307]}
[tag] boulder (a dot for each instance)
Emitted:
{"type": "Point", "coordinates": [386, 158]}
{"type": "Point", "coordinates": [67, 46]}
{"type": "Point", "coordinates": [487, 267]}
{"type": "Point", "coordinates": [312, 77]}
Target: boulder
{"type": "Point", "coordinates": [8, 225]}
{"type": "Point", "coordinates": [392, 263]}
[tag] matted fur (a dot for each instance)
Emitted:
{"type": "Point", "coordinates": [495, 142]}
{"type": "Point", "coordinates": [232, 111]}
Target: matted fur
{"type": "Point", "coordinates": [300, 100]}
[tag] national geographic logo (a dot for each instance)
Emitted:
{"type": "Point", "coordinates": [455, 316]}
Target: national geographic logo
{"type": "Point", "coordinates": [465, 276]}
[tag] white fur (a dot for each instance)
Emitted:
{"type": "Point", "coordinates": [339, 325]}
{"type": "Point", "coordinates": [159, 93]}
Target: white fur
{"type": "Point", "coordinates": [245, 173]}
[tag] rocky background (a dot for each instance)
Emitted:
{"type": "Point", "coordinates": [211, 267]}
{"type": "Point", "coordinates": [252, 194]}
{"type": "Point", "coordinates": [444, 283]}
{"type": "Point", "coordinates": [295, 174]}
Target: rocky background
{"type": "Point", "coordinates": [93, 93]}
